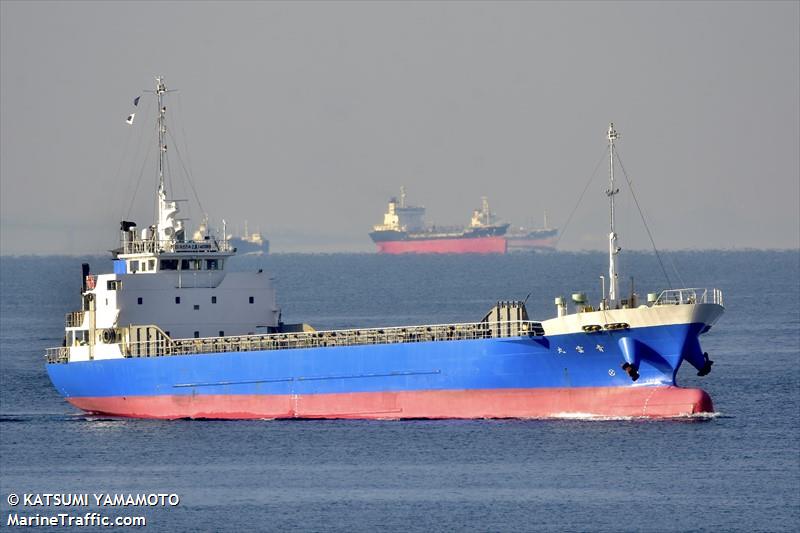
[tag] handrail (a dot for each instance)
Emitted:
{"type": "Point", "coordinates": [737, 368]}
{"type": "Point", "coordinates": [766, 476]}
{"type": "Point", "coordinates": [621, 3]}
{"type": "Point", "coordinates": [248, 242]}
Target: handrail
{"type": "Point", "coordinates": [57, 355]}
{"type": "Point", "coordinates": [74, 319]}
{"type": "Point", "coordinates": [319, 339]}
{"type": "Point", "coordinates": [689, 296]}
{"type": "Point", "coordinates": [352, 337]}
{"type": "Point", "coordinates": [170, 246]}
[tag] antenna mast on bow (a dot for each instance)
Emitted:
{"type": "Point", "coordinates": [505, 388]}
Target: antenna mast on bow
{"type": "Point", "coordinates": [613, 249]}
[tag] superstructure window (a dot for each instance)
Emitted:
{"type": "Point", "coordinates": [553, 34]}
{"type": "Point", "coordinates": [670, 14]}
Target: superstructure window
{"type": "Point", "coordinates": [213, 299]}
{"type": "Point", "coordinates": [81, 337]}
{"type": "Point", "coordinates": [151, 265]}
{"type": "Point", "coordinates": [177, 299]}
{"type": "Point", "coordinates": [169, 264]}
{"type": "Point", "coordinates": [221, 333]}
{"type": "Point", "coordinates": [252, 300]}
{"type": "Point", "coordinates": [196, 334]}
{"type": "Point", "coordinates": [191, 264]}
{"type": "Point", "coordinates": [212, 264]}
{"type": "Point", "coordinates": [113, 284]}
{"type": "Point", "coordinates": [196, 307]}
{"type": "Point", "coordinates": [139, 300]}
{"type": "Point", "coordinates": [133, 267]}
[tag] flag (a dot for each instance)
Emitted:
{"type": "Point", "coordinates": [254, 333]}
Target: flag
{"type": "Point", "coordinates": [136, 101]}
{"type": "Point", "coordinates": [130, 118]}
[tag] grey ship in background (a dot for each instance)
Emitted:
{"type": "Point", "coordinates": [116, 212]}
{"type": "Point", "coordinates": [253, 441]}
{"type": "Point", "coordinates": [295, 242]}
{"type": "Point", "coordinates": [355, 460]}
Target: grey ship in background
{"type": "Point", "coordinates": [246, 243]}
{"type": "Point", "coordinates": [522, 239]}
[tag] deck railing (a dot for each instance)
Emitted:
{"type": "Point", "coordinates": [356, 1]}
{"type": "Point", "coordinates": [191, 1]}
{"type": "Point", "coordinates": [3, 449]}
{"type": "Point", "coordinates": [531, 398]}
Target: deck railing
{"type": "Point", "coordinates": [74, 319]}
{"type": "Point", "coordinates": [689, 296]}
{"type": "Point", "coordinates": [57, 355]}
{"type": "Point", "coordinates": [318, 339]}
{"type": "Point", "coordinates": [154, 246]}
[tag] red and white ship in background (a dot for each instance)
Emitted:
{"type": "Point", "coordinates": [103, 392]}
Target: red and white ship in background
{"type": "Point", "coordinates": [404, 231]}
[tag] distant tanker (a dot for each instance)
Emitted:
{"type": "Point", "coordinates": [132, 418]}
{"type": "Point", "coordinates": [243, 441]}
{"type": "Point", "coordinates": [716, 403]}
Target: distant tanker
{"type": "Point", "coordinates": [403, 231]}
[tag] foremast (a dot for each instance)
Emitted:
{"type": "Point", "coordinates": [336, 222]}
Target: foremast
{"type": "Point", "coordinates": [613, 249]}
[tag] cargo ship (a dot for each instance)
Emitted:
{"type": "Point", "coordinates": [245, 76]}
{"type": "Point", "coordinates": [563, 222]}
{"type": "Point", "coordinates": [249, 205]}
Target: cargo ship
{"type": "Point", "coordinates": [522, 239]}
{"type": "Point", "coordinates": [172, 333]}
{"type": "Point", "coordinates": [404, 232]}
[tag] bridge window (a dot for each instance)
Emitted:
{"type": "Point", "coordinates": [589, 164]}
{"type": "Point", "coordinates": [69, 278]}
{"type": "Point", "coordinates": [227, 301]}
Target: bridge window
{"type": "Point", "coordinates": [211, 264]}
{"type": "Point", "coordinates": [169, 264]}
{"type": "Point", "coordinates": [191, 264]}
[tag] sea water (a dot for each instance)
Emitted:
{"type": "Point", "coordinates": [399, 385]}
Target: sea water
{"type": "Point", "coordinates": [736, 471]}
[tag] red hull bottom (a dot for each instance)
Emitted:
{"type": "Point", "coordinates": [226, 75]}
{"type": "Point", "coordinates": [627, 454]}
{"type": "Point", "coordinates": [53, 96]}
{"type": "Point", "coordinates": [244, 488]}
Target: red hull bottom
{"type": "Point", "coordinates": [650, 402]}
{"type": "Point", "coordinates": [478, 245]}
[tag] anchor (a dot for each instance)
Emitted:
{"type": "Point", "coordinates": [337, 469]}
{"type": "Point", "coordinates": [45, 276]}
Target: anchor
{"type": "Point", "coordinates": [707, 366]}
{"type": "Point", "coordinates": [631, 371]}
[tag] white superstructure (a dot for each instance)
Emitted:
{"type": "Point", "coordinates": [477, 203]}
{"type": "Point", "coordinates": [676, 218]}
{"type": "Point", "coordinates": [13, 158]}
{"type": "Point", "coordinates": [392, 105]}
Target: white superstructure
{"type": "Point", "coordinates": [165, 286]}
{"type": "Point", "coordinates": [483, 217]}
{"type": "Point", "coordinates": [400, 217]}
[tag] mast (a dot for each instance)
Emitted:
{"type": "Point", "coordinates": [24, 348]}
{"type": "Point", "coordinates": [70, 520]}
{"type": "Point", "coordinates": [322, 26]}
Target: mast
{"type": "Point", "coordinates": [613, 249]}
{"type": "Point", "coordinates": [168, 227]}
{"type": "Point", "coordinates": [161, 88]}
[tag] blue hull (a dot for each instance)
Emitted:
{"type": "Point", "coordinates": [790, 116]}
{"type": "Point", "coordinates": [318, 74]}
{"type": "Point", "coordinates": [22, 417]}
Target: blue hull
{"type": "Point", "coordinates": [574, 360]}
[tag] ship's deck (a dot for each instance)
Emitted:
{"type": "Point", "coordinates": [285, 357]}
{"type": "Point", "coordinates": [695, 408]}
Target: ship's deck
{"type": "Point", "coordinates": [164, 346]}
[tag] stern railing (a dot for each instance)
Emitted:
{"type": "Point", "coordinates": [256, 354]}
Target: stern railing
{"type": "Point", "coordinates": [57, 355]}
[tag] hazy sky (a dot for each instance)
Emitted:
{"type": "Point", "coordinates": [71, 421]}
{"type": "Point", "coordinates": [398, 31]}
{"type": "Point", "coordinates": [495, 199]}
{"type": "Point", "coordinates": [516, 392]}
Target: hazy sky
{"type": "Point", "coordinates": [304, 118]}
